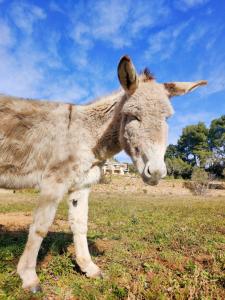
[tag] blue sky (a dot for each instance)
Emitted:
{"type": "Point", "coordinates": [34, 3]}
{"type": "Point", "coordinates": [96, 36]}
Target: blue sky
{"type": "Point", "coordinates": [69, 50]}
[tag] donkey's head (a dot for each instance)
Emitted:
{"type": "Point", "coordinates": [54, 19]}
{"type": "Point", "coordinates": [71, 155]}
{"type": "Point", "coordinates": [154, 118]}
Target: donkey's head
{"type": "Point", "coordinates": [144, 131]}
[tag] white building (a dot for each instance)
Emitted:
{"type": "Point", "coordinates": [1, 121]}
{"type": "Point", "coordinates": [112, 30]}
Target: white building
{"type": "Point", "coordinates": [114, 167]}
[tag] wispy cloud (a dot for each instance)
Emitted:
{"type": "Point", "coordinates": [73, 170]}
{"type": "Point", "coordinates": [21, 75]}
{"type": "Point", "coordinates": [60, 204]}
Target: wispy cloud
{"type": "Point", "coordinates": [182, 37]}
{"type": "Point", "coordinates": [216, 80]}
{"type": "Point", "coordinates": [26, 15]}
{"type": "Point", "coordinates": [31, 77]}
{"type": "Point", "coordinates": [164, 42]}
{"type": "Point", "coordinates": [188, 4]}
{"type": "Point", "coordinates": [28, 69]}
{"type": "Point", "coordinates": [198, 33]}
{"type": "Point", "coordinates": [67, 91]}
{"type": "Point", "coordinates": [213, 66]}
{"type": "Point", "coordinates": [22, 72]}
{"type": "Point", "coordinates": [56, 7]}
{"type": "Point", "coordinates": [7, 38]}
{"type": "Point", "coordinates": [117, 23]}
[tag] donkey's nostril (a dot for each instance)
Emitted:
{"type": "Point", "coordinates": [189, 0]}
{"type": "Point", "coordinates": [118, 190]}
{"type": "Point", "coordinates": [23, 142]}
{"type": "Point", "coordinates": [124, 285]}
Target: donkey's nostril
{"type": "Point", "coordinates": [137, 151]}
{"type": "Point", "coordinates": [147, 171]}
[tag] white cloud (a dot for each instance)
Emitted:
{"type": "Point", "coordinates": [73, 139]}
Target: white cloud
{"type": "Point", "coordinates": [67, 90]}
{"type": "Point", "coordinates": [55, 7]}
{"type": "Point", "coordinates": [115, 23]}
{"type": "Point", "coordinates": [26, 15]}
{"type": "Point", "coordinates": [147, 14]}
{"type": "Point", "coordinates": [212, 69]}
{"type": "Point", "coordinates": [54, 60]}
{"type": "Point", "coordinates": [119, 23]}
{"type": "Point", "coordinates": [188, 4]}
{"type": "Point", "coordinates": [31, 71]}
{"type": "Point", "coordinates": [197, 34]}
{"type": "Point", "coordinates": [104, 21]}
{"type": "Point", "coordinates": [110, 18]}
{"type": "Point", "coordinates": [7, 38]}
{"type": "Point", "coordinates": [80, 34]}
{"type": "Point", "coordinates": [164, 43]}
{"type": "Point", "coordinates": [21, 76]}
{"type": "Point", "coordinates": [29, 78]}
{"type": "Point", "coordinates": [216, 80]}
{"type": "Point", "coordinates": [192, 118]}
{"type": "Point", "coordinates": [27, 74]}
{"type": "Point", "coordinates": [182, 37]}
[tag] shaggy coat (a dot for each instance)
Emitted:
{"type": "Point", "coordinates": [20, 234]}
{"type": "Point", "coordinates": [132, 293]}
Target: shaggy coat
{"type": "Point", "coordinates": [60, 148]}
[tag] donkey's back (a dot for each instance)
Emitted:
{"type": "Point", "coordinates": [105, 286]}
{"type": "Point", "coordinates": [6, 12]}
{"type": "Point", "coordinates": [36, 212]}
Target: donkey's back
{"type": "Point", "coordinates": [28, 137]}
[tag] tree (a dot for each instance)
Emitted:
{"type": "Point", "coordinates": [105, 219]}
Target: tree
{"type": "Point", "coordinates": [217, 136]}
{"type": "Point", "coordinates": [198, 146]}
{"type": "Point", "coordinates": [193, 144]}
{"type": "Point", "coordinates": [172, 151]}
{"type": "Point", "coordinates": [217, 145]}
{"type": "Point", "coordinates": [177, 168]}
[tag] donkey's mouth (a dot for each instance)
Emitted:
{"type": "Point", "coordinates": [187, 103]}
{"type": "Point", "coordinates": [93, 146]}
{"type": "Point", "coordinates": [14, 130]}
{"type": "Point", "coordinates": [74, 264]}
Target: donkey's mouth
{"type": "Point", "coordinates": [151, 178]}
{"type": "Point", "coordinates": [150, 181]}
{"type": "Point", "coordinates": [154, 182]}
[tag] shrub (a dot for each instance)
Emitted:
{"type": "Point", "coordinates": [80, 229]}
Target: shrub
{"type": "Point", "coordinates": [199, 181]}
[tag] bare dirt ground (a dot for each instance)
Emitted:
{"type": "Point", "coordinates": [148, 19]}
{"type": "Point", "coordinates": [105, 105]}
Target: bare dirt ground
{"type": "Point", "coordinates": [22, 220]}
{"type": "Point", "coordinates": [134, 184]}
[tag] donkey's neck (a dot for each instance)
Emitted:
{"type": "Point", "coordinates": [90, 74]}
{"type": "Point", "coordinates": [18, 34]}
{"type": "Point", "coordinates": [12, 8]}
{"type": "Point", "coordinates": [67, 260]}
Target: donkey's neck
{"type": "Point", "coordinates": [103, 119]}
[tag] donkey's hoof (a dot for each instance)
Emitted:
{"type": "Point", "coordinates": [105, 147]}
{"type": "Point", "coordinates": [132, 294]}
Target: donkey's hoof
{"type": "Point", "coordinates": [98, 274]}
{"type": "Point", "coordinates": [35, 289]}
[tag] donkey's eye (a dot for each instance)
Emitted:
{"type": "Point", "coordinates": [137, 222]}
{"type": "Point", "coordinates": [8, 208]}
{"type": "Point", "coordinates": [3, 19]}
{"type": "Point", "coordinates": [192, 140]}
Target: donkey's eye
{"type": "Point", "coordinates": [130, 118]}
{"type": "Point", "coordinates": [137, 118]}
{"type": "Point", "coordinates": [133, 117]}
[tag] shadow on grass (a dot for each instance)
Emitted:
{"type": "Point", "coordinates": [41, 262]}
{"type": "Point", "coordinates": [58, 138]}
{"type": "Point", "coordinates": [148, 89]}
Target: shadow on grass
{"type": "Point", "coordinates": [54, 250]}
{"type": "Point", "coordinates": [12, 244]}
{"type": "Point", "coordinates": [55, 259]}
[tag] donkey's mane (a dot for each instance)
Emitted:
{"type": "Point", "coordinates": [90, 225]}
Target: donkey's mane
{"type": "Point", "coordinates": [148, 74]}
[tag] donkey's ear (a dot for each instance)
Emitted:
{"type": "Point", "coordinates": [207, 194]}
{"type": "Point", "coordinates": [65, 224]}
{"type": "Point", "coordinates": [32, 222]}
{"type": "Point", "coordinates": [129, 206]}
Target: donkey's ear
{"type": "Point", "coordinates": [181, 88]}
{"type": "Point", "coordinates": [127, 75]}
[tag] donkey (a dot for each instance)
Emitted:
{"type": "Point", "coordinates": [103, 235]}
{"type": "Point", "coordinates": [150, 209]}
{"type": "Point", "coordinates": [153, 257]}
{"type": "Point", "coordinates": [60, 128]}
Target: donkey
{"type": "Point", "coordinates": [60, 148]}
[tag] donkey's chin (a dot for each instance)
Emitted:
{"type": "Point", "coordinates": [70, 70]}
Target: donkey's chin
{"type": "Point", "coordinates": [150, 181]}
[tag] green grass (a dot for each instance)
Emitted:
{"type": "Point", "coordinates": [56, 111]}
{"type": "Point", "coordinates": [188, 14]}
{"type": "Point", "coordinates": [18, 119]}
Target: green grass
{"type": "Point", "coordinates": [148, 247]}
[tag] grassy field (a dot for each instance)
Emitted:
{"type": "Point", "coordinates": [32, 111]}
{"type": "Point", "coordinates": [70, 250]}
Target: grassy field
{"type": "Point", "coordinates": [149, 246]}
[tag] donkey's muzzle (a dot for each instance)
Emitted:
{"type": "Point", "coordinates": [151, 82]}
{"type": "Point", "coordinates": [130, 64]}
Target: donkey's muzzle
{"type": "Point", "coordinates": [153, 175]}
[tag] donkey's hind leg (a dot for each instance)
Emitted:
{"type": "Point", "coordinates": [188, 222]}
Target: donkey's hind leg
{"type": "Point", "coordinates": [43, 218]}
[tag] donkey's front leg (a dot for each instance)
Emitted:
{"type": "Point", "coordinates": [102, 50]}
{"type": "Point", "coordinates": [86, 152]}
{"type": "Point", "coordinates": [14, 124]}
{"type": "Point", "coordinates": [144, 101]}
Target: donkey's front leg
{"type": "Point", "coordinates": [78, 218]}
{"type": "Point", "coordinates": [43, 218]}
